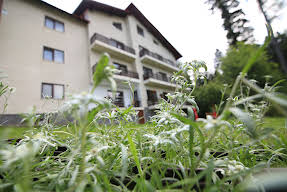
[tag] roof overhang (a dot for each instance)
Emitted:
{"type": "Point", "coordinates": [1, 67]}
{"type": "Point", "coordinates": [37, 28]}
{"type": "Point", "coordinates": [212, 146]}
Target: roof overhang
{"type": "Point", "coordinates": [130, 10]}
{"type": "Point", "coordinates": [74, 16]}
{"type": "Point", "coordinates": [94, 5]}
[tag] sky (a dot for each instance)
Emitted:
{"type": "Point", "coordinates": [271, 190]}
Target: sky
{"type": "Point", "coordinates": [189, 25]}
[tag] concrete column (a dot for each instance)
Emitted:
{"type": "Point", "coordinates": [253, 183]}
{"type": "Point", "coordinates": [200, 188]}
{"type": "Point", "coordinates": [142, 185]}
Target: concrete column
{"type": "Point", "coordinates": [139, 67]}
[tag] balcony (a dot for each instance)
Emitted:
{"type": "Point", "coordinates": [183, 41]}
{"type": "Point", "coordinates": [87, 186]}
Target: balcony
{"type": "Point", "coordinates": [123, 75]}
{"type": "Point", "coordinates": [155, 59]}
{"type": "Point", "coordinates": [129, 74]}
{"type": "Point", "coordinates": [119, 103]}
{"type": "Point", "coordinates": [152, 102]}
{"type": "Point", "coordinates": [136, 105]}
{"type": "Point", "coordinates": [115, 48]}
{"type": "Point", "coordinates": [157, 80]}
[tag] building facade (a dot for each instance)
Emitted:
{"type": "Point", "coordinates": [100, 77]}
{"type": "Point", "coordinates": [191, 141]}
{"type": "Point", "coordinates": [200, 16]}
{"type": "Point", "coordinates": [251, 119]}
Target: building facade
{"type": "Point", "coordinates": [47, 52]}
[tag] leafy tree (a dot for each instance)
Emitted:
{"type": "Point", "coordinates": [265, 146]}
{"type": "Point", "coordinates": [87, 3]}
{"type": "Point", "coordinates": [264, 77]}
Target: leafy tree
{"type": "Point", "coordinates": [236, 58]}
{"type": "Point", "coordinates": [234, 21]}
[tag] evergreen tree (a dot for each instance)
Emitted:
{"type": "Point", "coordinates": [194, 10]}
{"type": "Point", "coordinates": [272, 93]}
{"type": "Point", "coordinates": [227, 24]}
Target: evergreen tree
{"type": "Point", "coordinates": [234, 21]}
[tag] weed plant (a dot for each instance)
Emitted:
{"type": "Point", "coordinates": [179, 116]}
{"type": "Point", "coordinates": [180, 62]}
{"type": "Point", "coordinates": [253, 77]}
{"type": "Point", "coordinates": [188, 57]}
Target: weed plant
{"type": "Point", "coordinates": [103, 150]}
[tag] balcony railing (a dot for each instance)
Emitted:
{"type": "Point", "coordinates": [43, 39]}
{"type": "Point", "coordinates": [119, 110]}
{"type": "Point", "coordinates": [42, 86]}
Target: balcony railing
{"type": "Point", "coordinates": [112, 42]}
{"type": "Point", "coordinates": [158, 77]}
{"type": "Point", "coordinates": [129, 74]}
{"type": "Point", "coordinates": [123, 73]}
{"type": "Point", "coordinates": [152, 102]}
{"type": "Point", "coordinates": [144, 52]}
{"type": "Point", "coordinates": [119, 103]}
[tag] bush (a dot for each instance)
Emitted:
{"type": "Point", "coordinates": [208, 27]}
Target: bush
{"type": "Point", "coordinates": [207, 96]}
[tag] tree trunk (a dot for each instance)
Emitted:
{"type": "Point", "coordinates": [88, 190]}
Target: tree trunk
{"type": "Point", "coordinates": [274, 43]}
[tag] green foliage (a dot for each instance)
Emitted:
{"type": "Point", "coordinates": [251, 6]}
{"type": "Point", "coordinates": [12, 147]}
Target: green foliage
{"type": "Point", "coordinates": [104, 71]}
{"type": "Point", "coordinates": [5, 92]}
{"type": "Point", "coordinates": [236, 58]}
{"type": "Point", "coordinates": [207, 96]}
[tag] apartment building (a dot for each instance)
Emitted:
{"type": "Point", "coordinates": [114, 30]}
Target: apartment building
{"type": "Point", "coordinates": [47, 52]}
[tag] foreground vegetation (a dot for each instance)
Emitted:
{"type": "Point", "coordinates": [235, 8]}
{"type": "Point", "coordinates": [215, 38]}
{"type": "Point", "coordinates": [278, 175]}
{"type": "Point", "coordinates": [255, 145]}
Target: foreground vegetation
{"type": "Point", "coordinates": [173, 152]}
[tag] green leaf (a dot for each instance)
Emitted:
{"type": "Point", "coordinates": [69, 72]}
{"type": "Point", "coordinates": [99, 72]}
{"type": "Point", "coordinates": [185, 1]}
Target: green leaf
{"type": "Point", "coordinates": [192, 101]}
{"type": "Point", "coordinates": [184, 119]}
{"type": "Point", "coordinates": [254, 57]}
{"type": "Point", "coordinates": [135, 154]}
{"type": "Point", "coordinates": [190, 113]}
{"type": "Point", "coordinates": [246, 120]}
{"type": "Point", "coordinates": [127, 110]}
{"type": "Point", "coordinates": [278, 82]}
{"type": "Point", "coordinates": [278, 98]}
{"type": "Point", "coordinates": [113, 85]}
{"type": "Point", "coordinates": [99, 74]}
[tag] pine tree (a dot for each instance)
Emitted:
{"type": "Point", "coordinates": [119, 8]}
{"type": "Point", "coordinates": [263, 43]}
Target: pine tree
{"type": "Point", "coordinates": [233, 20]}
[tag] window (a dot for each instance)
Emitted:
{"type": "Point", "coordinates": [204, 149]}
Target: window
{"type": "Point", "coordinates": [54, 24]}
{"type": "Point", "coordinates": [151, 97]}
{"type": "Point", "coordinates": [117, 44]}
{"type": "Point", "coordinates": [162, 76]}
{"type": "Point", "coordinates": [121, 67]}
{"type": "Point", "coordinates": [140, 31]}
{"type": "Point", "coordinates": [54, 91]}
{"type": "Point", "coordinates": [143, 51]}
{"type": "Point", "coordinates": [117, 25]}
{"type": "Point", "coordinates": [147, 72]}
{"type": "Point", "coordinates": [119, 98]}
{"type": "Point", "coordinates": [55, 55]}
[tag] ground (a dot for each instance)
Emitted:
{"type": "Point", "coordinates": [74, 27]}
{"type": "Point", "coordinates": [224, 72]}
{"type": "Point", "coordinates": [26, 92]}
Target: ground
{"type": "Point", "coordinates": [17, 132]}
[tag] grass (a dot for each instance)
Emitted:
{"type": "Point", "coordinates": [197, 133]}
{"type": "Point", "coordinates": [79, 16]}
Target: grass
{"type": "Point", "coordinates": [278, 123]}
{"type": "Point", "coordinates": [275, 122]}
{"type": "Point", "coordinates": [12, 132]}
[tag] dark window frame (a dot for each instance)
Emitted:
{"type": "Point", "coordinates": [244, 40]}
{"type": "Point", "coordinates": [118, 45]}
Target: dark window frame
{"type": "Point", "coordinates": [120, 99]}
{"type": "Point", "coordinates": [121, 66]}
{"type": "Point", "coordinates": [140, 31]}
{"type": "Point", "coordinates": [118, 25]}
{"type": "Point", "coordinates": [52, 84]}
{"type": "Point", "coordinates": [152, 95]}
{"type": "Point", "coordinates": [163, 76]}
{"type": "Point", "coordinates": [53, 54]}
{"type": "Point", "coordinates": [54, 23]}
{"type": "Point", "coordinates": [147, 71]}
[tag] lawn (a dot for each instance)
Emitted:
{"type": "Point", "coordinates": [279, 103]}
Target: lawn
{"type": "Point", "coordinates": [278, 123]}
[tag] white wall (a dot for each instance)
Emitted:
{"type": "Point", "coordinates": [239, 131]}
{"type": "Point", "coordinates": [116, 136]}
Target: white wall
{"type": "Point", "coordinates": [22, 37]}
{"type": "Point", "coordinates": [102, 23]}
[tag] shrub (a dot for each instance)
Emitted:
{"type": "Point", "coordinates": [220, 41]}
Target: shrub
{"type": "Point", "coordinates": [207, 96]}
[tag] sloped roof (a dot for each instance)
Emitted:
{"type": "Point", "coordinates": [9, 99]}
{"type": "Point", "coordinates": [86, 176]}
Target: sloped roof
{"type": "Point", "coordinates": [60, 10]}
{"type": "Point", "coordinates": [130, 10]}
